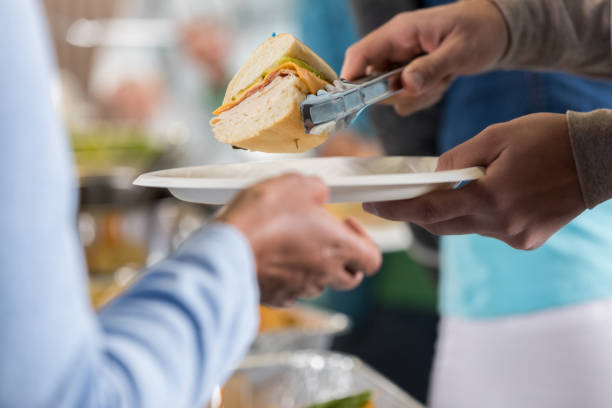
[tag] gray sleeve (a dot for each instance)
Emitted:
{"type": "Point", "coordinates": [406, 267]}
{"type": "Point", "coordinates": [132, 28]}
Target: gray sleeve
{"type": "Point", "coordinates": [564, 35]}
{"type": "Point", "coordinates": [591, 139]}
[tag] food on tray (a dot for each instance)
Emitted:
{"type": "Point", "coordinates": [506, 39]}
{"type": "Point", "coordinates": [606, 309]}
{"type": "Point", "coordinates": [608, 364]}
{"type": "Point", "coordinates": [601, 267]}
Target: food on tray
{"type": "Point", "coordinates": [261, 108]}
{"type": "Point", "coordinates": [362, 400]}
{"type": "Point", "coordinates": [279, 319]}
{"type": "Point", "coordinates": [355, 210]}
{"type": "Point", "coordinates": [100, 147]}
{"type": "Point", "coordinates": [102, 292]}
{"type": "Point", "coordinates": [237, 393]}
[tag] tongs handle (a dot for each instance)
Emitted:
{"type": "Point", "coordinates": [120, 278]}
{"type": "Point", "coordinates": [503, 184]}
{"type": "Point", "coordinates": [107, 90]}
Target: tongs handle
{"type": "Point", "coordinates": [378, 87]}
{"type": "Point", "coordinates": [343, 104]}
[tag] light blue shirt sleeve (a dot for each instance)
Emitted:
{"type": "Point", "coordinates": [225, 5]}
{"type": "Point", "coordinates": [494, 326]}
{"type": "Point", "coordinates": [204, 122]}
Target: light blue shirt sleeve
{"type": "Point", "coordinates": [168, 341]}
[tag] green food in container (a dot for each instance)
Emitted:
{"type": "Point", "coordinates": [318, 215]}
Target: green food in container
{"type": "Point", "coordinates": [354, 401]}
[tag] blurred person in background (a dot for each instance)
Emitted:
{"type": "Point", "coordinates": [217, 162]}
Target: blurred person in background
{"type": "Point", "coordinates": [180, 329]}
{"type": "Point", "coordinates": [74, 62]}
{"type": "Point", "coordinates": [522, 328]}
{"type": "Point", "coordinates": [394, 314]}
{"type": "Point", "coordinates": [181, 84]}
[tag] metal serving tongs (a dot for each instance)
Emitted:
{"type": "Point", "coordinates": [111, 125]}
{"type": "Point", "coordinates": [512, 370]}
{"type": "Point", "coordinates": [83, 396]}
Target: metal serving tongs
{"type": "Point", "coordinates": [339, 104]}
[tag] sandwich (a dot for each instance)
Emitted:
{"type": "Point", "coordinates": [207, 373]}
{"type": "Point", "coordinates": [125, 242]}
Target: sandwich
{"type": "Point", "coordinates": [261, 107]}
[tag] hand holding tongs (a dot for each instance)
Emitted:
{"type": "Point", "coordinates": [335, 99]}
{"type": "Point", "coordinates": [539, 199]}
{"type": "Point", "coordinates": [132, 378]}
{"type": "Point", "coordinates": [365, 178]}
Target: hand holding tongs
{"type": "Point", "coordinates": [337, 106]}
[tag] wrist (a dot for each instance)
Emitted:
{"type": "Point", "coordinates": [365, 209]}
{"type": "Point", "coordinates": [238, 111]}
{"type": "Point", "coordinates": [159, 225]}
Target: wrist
{"type": "Point", "coordinates": [528, 41]}
{"type": "Point", "coordinates": [505, 41]}
{"type": "Point", "coordinates": [590, 136]}
{"type": "Point", "coordinates": [245, 226]}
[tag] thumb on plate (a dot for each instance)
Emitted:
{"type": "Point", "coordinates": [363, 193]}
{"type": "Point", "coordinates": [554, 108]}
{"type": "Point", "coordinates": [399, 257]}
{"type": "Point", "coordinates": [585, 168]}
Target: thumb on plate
{"type": "Point", "coordinates": [480, 150]}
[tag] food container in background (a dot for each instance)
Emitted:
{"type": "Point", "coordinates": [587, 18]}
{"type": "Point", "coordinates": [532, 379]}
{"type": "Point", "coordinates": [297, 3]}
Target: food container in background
{"type": "Point", "coordinates": [297, 328]}
{"type": "Point", "coordinates": [299, 379]}
{"type": "Point", "coordinates": [123, 228]}
{"type": "Point", "coordinates": [106, 148]}
{"type": "Point", "coordinates": [120, 239]}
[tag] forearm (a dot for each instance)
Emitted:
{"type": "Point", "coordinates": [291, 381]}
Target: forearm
{"type": "Point", "coordinates": [572, 36]}
{"type": "Point", "coordinates": [565, 35]}
{"type": "Point", "coordinates": [591, 138]}
{"type": "Point", "coordinates": [172, 337]}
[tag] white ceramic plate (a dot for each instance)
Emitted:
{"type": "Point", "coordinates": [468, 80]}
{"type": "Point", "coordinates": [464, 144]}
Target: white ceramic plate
{"type": "Point", "coordinates": [350, 179]}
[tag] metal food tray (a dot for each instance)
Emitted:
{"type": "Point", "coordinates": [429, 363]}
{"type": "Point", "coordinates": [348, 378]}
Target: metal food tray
{"type": "Point", "coordinates": [318, 337]}
{"type": "Point", "coordinates": [298, 379]}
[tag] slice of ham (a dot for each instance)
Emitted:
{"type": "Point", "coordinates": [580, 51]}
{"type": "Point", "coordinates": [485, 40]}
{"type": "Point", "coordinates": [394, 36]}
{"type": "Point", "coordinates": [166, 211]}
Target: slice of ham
{"type": "Point", "coordinates": [312, 82]}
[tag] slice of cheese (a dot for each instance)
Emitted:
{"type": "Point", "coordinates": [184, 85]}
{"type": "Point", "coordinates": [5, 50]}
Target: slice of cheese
{"type": "Point", "coordinates": [312, 81]}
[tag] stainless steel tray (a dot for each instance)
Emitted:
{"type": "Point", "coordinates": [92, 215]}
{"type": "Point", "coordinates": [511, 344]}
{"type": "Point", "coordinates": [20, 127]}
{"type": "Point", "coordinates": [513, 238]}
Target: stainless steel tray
{"type": "Point", "coordinates": [298, 379]}
{"type": "Point", "coordinates": [323, 327]}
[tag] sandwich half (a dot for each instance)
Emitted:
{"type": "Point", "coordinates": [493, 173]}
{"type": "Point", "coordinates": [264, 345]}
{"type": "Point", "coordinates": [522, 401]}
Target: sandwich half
{"type": "Point", "coordinates": [261, 108]}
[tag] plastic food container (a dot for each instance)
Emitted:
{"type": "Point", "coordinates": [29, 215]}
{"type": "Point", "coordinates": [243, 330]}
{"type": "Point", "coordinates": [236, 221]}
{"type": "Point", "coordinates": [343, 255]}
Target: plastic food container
{"type": "Point", "coordinates": [316, 330]}
{"type": "Point", "coordinates": [298, 379]}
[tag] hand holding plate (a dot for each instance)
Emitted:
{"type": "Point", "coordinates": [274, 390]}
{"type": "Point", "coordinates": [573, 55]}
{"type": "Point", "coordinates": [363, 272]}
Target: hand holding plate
{"type": "Point", "coordinates": [529, 192]}
{"type": "Point", "coordinates": [299, 247]}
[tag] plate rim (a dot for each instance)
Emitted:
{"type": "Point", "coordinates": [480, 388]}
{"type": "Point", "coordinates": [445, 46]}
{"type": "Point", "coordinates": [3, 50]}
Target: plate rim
{"type": "Point", "coordinates": [157, 180]}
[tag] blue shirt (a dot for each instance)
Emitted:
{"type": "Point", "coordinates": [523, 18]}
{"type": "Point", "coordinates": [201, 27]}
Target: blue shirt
{"type": "Point", "coordinates": [167, 342]}
{"type": "Point", "coordinates": [482, 277]}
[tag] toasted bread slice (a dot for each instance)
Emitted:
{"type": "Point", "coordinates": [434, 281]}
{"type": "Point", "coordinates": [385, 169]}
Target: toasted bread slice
{"type": "Point", "coordinates": [267, 55]}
